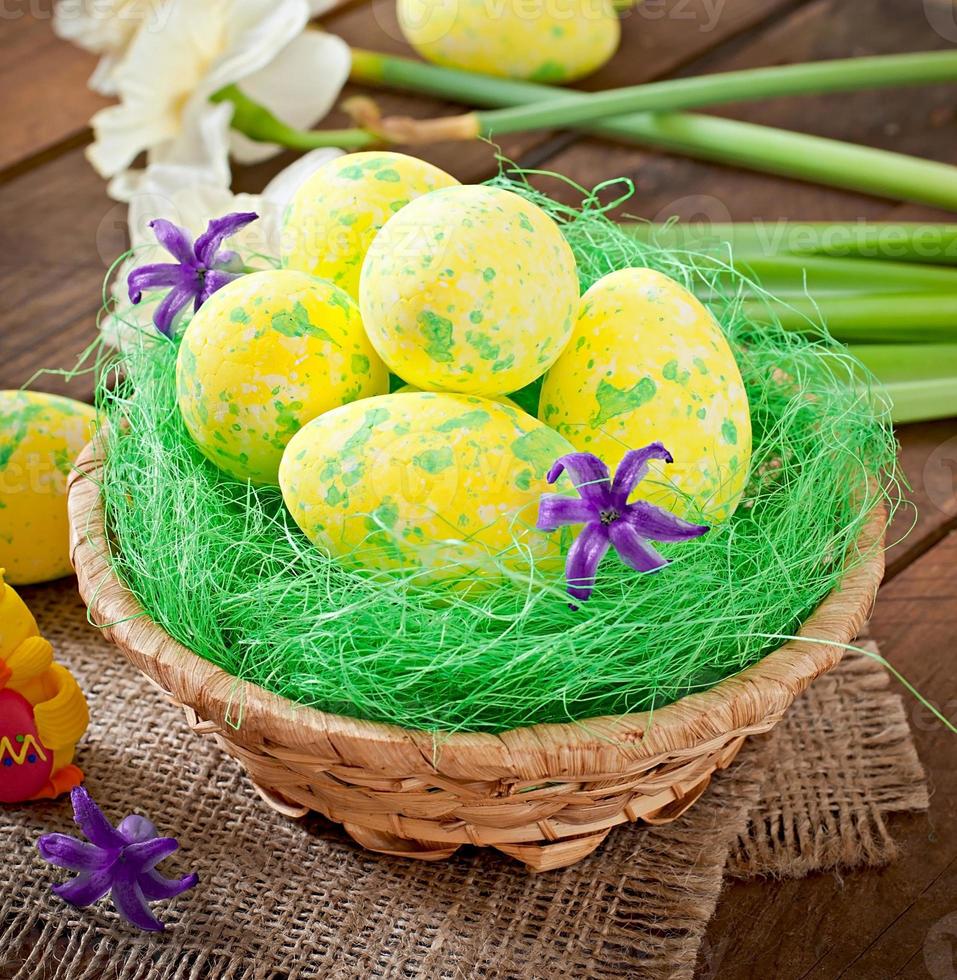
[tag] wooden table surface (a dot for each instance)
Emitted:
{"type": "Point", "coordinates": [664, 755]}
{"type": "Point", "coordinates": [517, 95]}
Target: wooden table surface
{"type": "Point", "coordinates": [59, 232]}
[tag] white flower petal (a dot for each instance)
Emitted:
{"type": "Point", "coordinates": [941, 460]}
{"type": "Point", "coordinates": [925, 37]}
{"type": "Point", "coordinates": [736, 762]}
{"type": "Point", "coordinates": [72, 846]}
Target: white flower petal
{"type": "Point", "coordinates": [319, 7]}
{"type": "Point", "coordinates": [201, 148]}
{"type": "Point", "coordinates": [299, 87]}
{"type": "Point", "coordinates": [255, 31]}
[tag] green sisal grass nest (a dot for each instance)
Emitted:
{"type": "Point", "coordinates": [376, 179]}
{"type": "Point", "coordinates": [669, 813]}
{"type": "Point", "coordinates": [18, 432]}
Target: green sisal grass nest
{"type": "Point", "coordinates": [223, 569]}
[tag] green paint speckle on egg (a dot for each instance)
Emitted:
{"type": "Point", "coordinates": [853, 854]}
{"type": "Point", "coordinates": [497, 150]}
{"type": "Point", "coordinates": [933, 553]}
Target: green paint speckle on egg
{"type": "Point", "coordinates": [614, 401]}
{"type": "Point", "coordinates": [470, 420]}
{"type": "Point", "coordinates": [437, 330]}
{"type": "Point", "coordinates": [434, 460]}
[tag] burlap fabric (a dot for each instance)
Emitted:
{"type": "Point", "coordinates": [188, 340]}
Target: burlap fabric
{"type": "Point", "coordinates": [282, 899]}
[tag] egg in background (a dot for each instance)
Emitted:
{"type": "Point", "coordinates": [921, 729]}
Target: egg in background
{"type": "Point", "coordinates": [548, 41]}
{"type": "Point", "coordinates": [40, 438]}
{"type": "Point", "coordinates": [264, 355]}
{"type": "Point", "coordinates": [335, 214]}
{"type": "Point", "coordinates": [440, 484]}
{"type": "Point", "coordinates": [647, 362]}
{"type": "Point", "coordinates": [470, 289]}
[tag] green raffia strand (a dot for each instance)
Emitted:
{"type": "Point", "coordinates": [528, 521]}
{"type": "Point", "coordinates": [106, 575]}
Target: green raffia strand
{"type": "Point", "coordinates": [748, 85]}
{"type": "Point", "coordinates": [761, 148]}
{"type": "Point", "coordinates": [223, 568]}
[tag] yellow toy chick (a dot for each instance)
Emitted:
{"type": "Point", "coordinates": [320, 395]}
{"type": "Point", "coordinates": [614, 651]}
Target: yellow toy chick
{"type": "Point", "coordinates": [43, 712]}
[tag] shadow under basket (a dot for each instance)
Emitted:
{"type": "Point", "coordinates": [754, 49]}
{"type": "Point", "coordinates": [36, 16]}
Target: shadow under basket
{"type": "Point", "coordinates": [547, 795]}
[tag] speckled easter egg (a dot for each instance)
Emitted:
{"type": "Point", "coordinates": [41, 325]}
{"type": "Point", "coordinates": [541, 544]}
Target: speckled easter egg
{"type": "Point", "coordinates": [40, 438]}
{"type": "Point", "coordinates": [336, 213]}
{"type": "Point", "coordinates": [648, 362]}
{"type": "Point", "coordinates": [436, 482]}
{"type": "Point", "coordinates": [470, 289]}
{"type": "Point", "coordinates": [539, 40]}
{"type": "Point", "coordinates": [263, 356]}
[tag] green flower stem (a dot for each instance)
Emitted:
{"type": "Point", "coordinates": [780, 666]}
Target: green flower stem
{"type": "Point", "coordinates": [818, 275]}
{"type": "Point", "coordinates": [912, 242]}
{"type": "Point", "coordinates": [258, 123]}
{"type": "Point", "coordinates": [752, 84]}
{"type": "Point", "coordinates": [920, 379]}
{"type": "Point", "coordinates": [867, 318]}
{"type": "Point", "coordinates": [760, 148]}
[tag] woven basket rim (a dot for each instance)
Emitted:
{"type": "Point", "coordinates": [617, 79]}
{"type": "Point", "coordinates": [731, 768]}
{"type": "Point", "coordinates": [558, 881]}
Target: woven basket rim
{"type": "Point", "coordinates": [741, 703]}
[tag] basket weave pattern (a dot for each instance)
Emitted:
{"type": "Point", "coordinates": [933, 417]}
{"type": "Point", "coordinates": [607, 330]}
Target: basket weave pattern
{"type": "Point", "coordinates": [547, 795]}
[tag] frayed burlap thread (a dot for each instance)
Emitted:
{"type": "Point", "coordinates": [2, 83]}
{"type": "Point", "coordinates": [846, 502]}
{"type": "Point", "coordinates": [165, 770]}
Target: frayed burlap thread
{"type": "Point", "coordinates": [825, 799]}
{"type": "Point", "coordinates": [283, 899]}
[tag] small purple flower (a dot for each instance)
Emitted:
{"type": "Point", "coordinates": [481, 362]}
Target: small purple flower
{"type": "Point", "coordinates": [120, 861]}
{"type": "Point", "coordinates": [199, 270]}
{"type": "Point", "coordinates": [610, 521]}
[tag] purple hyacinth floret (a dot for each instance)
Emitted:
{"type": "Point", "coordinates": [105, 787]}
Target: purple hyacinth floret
{"type": "Point", "coordinates": [201, 267]}
{"type": "Point", "coordinates": [610, 521]}
{"type": "Point", "coordinates": [121, 861]}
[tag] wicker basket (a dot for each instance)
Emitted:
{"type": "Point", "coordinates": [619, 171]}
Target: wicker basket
{"type": "Point", "coordinates": [547, 795]}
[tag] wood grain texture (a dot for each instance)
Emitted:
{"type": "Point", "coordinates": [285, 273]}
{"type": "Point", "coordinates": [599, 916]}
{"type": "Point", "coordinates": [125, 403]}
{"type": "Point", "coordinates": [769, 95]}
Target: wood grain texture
{"type": "Point", "coordinates": [43, 81]}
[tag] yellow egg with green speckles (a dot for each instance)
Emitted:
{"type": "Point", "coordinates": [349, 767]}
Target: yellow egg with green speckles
{"type": "Point", "coordinates": [40, 438]}
{"type": "Point", "coordinates": [336, 213]}
{"type": "Point", "coordinates": [264, 355]}
{"type": "Point", "coordinates": [540, 40]}
{"type": "Point", "coordinates": [647, 362]}
{"type": "Point", "coordinates": [469, 289]}
{"type": "Point", "coordinates": [442, 485]}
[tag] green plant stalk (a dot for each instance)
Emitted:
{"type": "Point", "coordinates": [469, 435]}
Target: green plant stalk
{"type": "Point", "coordinates": [911, 242]}
{"type": "Point", "coordinates": [258, 123]}
{"type": "Point", "coordinates": [920, 379]}
{"type": "Point", "coordinates": [867, 318]}
{"type": "Point", "coordinates": [839, 75]}
{"type": "Point", "coordinates": [922, 401]}
{"type": "Point", "coordinates": [760, 148]}
{"type": "Point", "coordinates": [787, 275]}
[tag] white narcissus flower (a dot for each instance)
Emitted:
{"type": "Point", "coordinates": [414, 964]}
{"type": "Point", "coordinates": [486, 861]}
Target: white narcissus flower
{"type": "Point", "coordinates": [167, 76]}
{"type": "Point", "coordinates": [182, 196]}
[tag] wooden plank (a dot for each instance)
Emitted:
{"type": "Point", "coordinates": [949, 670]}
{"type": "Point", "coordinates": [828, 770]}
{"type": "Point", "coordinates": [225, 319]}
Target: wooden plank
{"type": "Point", "coordinates": [43, 80]}
{"type": "Point", "coordinates": [878, 923]}
{"type": "Point", "coordinates": [64, 232]}
{"type": "Point", "coordinates": [929, 461]}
